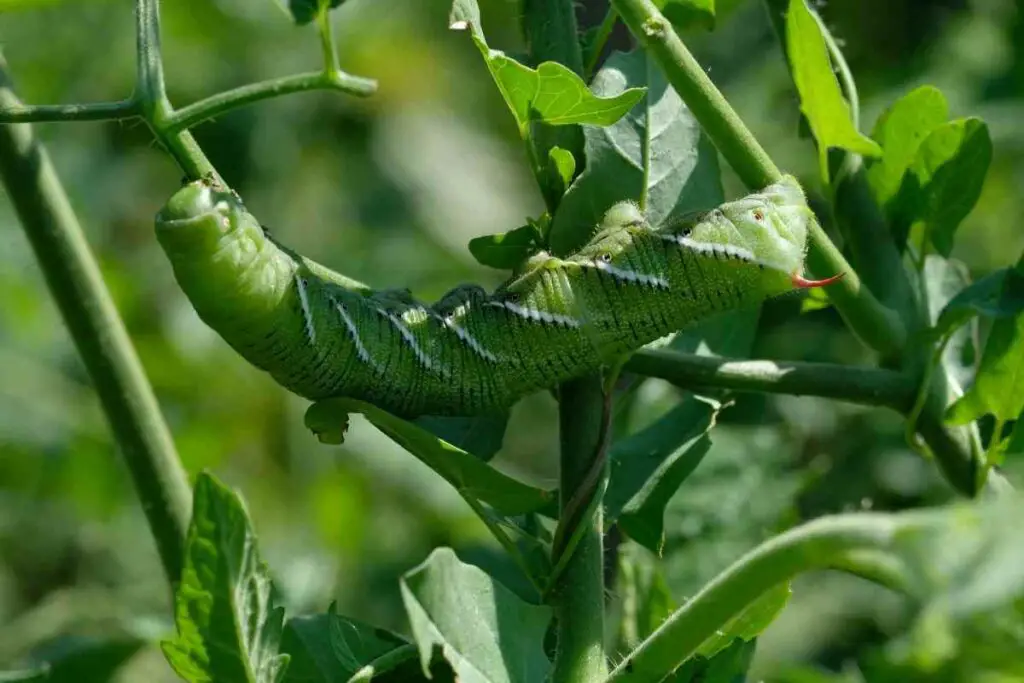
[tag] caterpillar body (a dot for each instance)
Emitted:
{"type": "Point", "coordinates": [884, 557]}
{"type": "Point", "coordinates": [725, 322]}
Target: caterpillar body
{"type": "Point", "coordinates": [320, 334]}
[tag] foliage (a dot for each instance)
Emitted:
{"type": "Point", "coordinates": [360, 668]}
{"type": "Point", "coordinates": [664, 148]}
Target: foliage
{"type": "Point", "coordinates": [715, 503]}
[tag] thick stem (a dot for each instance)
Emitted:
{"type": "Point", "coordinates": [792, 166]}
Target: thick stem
{"type": "Point", "coordinates": [873, 323]}
{"type": "Point", "coordinates": [75, 282]}
{"type": "Point", "coordinates": [858, 543]}
{"type": "Point", "coordinates": [866, 386]}
{"type": "Point", "coordinates": [579, 593]}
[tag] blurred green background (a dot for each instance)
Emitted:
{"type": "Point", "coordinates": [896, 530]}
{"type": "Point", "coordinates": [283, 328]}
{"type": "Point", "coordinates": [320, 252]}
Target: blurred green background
{"type": "Point", "coordinates": [389, 190]}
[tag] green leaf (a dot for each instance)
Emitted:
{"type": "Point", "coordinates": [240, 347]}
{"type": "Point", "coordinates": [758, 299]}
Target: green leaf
{"type": "Point", "coordinates": [750, 623]}
{"type": "Point", "coordinates": [305, 11]}
{"type": "Point", "coordinates": [686, 13]}
{"type": "Point", "coordinates": [330, 648]}
{"type": "Point", "coordinates": [470, 476]}
{"type": "Point", "coordinates": [486, 633]}
{"type": "Point", "coordinates": [821, 99]}
{"type": "Point", "coordinates": [646, 598]}
{"type": "Point", "coordinates": [505, 250]}
{"type": "Point", "coordinates": [991, 296]}
{"type": "Point", "coordinates": [228, 628]}
{"type": "Point", "coordinates": [551, 93]}
{"type": "Point", "coordinates": [998, 388]}
{"type": "Point", "coordinates": [681, 177]}
{"type": "Point", "coordinates": [900, 131]}
{"type": "Point", "coordinates": [648, 467]}
{"type": "Point", "coordinates": [730, 665]}
{"type": "Point", "coordinates": [562, 166]}
{"type": "Point", "coordinates": [944, 181]}
{"type": "Point", "coordinates": [482, 435]}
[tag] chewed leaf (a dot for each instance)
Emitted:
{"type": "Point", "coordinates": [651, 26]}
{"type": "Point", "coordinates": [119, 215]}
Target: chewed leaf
{"type": "Point", "coordinates": [551, 93]}
{"type": "Point", "coordinates": [483, 629]}
{"type": "Point", "coordinates": [821, 99]}
{"type": "Point", "coordinates": [228, 628]}
{"type": "Point", "coordinates": [470, 475]}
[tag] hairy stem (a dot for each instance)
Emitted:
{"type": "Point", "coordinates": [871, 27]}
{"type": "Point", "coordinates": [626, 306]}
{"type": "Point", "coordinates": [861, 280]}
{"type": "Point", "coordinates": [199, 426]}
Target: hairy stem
{"type": "Point", "coordinates": [93, 111]}
{"type": "Point", "coordinates": [223, 102]}
{"type": "Point", "coordinates": [859, 543]}
{"type": "Point", "coordinates": [75, 282]}
{"type": "Point", "coordinates": [579, 591]}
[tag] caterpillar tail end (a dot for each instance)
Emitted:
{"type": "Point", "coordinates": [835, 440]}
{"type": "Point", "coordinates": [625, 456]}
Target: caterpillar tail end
{"type": "Point", "coordinates": [802, 283]}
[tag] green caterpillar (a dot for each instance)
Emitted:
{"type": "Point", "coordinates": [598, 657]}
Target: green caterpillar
{"type": "Point", "coordinates": [320, 334]}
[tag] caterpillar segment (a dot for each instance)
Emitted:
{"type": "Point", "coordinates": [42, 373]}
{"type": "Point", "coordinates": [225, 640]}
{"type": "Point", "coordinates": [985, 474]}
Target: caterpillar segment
{"type": "Point", "coordinates": [320, 334]}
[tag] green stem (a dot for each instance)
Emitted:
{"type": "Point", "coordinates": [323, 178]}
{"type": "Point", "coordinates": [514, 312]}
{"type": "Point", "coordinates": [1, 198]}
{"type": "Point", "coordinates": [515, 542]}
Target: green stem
{"type": "Point", "coordinates": [579, 591]}
{"type": "Point", "coordinates": [860, 543]}
{"type": "Point", "coordinates": [866, 386]}
{"type": "Point", "coordinates": [218, 104]}
{"type": "Point", "coordinates": [330, 53]}
{"type": "Point", "coordinates": [604, 32]}
{"type": "Point", "coordinates": [151, 94]}
{"type": "Point", "coordinates": [76, 284]}
{"type": "Point", "coordinates": [873, 323]}
{"type": "Point", "coordinates": [95, 111]}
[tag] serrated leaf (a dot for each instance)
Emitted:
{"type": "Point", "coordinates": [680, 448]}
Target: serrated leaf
{"type": "Point", "coordinates": [647, 468]}
{"type": "Point", "coordinates": [305, 11]}
{"type": "Point", "coordinates": [944, 181]}
{"type": "Point", "coordinates": [330, 648]}
{"type": "Point", "coordinates": [900, 132]}
{"type": "Point", "coordinates": [551, 93]}
{"type": "Point", "coordinates": [561, 165]}
{"type": "Point", "coordinates": [657, 151]}
{"type": "Point", "coordinates": [228, 629]}
{"type": "Point", "coordinates": [821, 99]}
{"type": "Point", "coordinates": [750, 623]}
{"type": "Point", "coordinates": [684, 14]}
{"type": "Point", "coordinates": [505, 250]}
{"type": "Point", "coordinates": [481, 628]}
{"type": "Point", "coordinates": [470, 475]}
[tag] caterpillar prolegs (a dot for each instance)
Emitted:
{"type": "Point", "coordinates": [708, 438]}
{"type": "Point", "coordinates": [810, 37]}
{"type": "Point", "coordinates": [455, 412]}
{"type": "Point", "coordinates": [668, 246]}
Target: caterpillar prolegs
{"type": "Point", "coordinates": [321, 335]}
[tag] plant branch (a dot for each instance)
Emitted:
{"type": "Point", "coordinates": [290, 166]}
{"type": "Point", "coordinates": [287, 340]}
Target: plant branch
{"type": "Point", "coordinates": [151, 93]}
{"type": "Point", "coordinates": [95, 111]}
{"type": "Point", "coordinates": [221, 103]}
{"type": "Point", "coordinates": [579, 590]}
{"type": "Point", "coordinates": [75, 282]}
{"type": "Point", "coordinates": [866, 386]}
{"type": "Point", "coordinates": [860, 543]}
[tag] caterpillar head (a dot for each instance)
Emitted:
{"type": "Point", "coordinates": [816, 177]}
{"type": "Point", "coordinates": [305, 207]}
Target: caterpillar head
{"type": "Point", "coordinates": [197, 216]}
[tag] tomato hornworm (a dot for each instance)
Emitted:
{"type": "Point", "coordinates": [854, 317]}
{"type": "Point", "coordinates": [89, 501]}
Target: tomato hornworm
{"type": "Point", "coordinates": [320, 334]}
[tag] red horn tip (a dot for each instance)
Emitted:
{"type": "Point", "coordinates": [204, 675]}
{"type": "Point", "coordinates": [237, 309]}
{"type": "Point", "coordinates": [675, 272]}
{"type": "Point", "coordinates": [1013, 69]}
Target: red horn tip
{"type": "Point", "coordinates": [803, 283]}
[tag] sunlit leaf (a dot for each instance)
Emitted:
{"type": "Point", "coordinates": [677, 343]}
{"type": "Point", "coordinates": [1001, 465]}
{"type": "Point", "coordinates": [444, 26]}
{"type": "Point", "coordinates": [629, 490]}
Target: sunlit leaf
{"type": "Point", "coordinates": [944, 181]}
{"type": "Point", "coordinates": [657, 152]}
{"type": "Point", "coordinates": [821, 98]}
{"type": "Point", "coordinates": [551, 93]}
{"type": "Point", "coordinates": [486, 633]}
{"type": "Point", "coordinates": [900, 131]}
{"type": "Point", "coordinates": [998, 388]}
{"type": "Point", "coordinates": [228, 629]}
{"type": "Point", "coordinates": [562, 165]}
